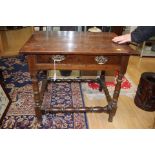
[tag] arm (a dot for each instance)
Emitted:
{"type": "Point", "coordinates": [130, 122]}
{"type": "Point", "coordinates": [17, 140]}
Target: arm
{"type": "Point", "coordinates": [140, 34]}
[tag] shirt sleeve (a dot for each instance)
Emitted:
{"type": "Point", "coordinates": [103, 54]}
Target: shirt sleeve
{"type": "Point", "coordinates": [142, 33]}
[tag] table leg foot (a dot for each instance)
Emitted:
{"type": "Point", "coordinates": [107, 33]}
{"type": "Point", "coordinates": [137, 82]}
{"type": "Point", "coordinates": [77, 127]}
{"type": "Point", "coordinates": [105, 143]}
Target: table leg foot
{"type": "Point", "coordinates": [38, 114]}
{"type": "Point", "coordinates": [112, 114]}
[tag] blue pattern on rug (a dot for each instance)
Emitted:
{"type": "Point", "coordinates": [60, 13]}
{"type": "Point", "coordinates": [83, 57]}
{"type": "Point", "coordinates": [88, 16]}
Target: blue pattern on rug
{"type": "Point", "coordinates": [21, 113]}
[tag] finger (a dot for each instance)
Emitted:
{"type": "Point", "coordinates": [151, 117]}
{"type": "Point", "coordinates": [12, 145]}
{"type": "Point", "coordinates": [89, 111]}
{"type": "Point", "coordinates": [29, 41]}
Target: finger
{"type": "Point", "coordinates": [118, 39]}
{"type": "Point", "coordinates": [115, 40]}
{"type": "Point", "coordinates": [123, 41]}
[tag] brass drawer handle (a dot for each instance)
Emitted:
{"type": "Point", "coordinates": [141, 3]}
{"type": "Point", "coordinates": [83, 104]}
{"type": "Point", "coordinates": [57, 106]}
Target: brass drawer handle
{"type": "Point", "coordinates": [101, 60]}
{"type": "Point", "coordinates": [58, 58]}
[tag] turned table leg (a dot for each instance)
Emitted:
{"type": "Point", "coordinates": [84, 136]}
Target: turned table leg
{"type": "Point", "coordinates": [33, 73]}
{"type": "Point", "coordinates": [103, 87]}
{"type": "Point", "coordinates": [115, 97]}
{"type": "Point", "coordinates": [102, 77]}
{"type": "Point", "coordinates": [37, 99]}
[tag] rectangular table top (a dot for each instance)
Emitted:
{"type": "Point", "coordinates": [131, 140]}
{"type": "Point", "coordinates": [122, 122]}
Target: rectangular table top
{"type": "Point", "coordinates": [71, 42]}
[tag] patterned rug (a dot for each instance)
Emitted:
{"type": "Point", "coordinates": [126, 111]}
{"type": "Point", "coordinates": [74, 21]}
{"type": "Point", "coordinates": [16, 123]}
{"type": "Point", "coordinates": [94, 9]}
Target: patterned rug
{"type": "Point", "coordinates": [21, 112]}
{"type": "Point", "coordinates": [128, 88]}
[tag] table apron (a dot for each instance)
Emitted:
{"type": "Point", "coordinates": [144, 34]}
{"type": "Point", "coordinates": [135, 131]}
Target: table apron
{"type": "Point", "coordinates": [47, 66]}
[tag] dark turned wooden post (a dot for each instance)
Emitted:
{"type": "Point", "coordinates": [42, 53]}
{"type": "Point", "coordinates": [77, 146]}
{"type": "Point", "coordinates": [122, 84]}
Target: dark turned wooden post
{"type": "Point", "coordinates": [102, 77]}
{"type": "Point", "coordinates": [124, 63]}
{"type": "Point", "coordinates": [33, 74]}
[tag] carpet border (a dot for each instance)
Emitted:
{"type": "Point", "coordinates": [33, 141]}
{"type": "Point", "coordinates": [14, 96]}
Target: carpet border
{"type": "Point", "coordinates": [83, 102]}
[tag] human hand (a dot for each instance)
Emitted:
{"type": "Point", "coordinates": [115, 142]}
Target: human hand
{"type": "Point", "coordinates": [122, 39]}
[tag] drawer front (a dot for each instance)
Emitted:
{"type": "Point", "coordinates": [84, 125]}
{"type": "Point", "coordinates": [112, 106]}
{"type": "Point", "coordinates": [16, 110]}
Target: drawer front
{"type": "Point", "coordinates": [79, 59]}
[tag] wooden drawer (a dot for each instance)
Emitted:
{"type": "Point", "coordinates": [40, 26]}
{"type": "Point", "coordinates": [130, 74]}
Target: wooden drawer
{"type": "Point", "coordinates": [81, 59]}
